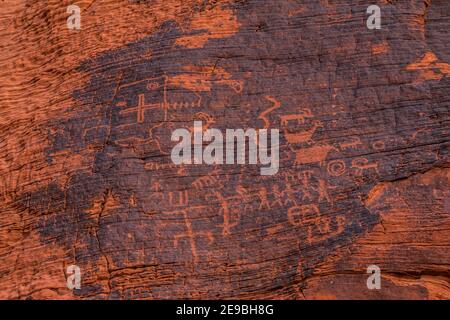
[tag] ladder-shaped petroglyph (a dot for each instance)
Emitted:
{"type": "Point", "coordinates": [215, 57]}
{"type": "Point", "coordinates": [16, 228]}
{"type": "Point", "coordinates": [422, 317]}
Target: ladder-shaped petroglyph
{"type": "Point", "coordinates": [191, 235]}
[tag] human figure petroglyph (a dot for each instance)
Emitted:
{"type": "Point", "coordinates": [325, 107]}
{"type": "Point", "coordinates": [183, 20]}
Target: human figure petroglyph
{"type": "Point", "coordinates": [322, 190]}
{"type": "Point", "coordinates": [156, 186]}
{"type": "Point", "coordinates": [245, 197]}
{"type": "Point", "coordinates": [283, 197]}
{"type": "Point", "coordinates": [313, 96]}
{"type": "Point", "coordinates": [262, 194]}
{"type": "Point", "coordinates": [361, 164]}
{"type": "Point", "coordinates": [230, 220]}
{"type": "Point", "coordinates": [305, 178]}
{"type": "Point", "coordinates": [289, 192]}
{"type": "Point", "coordinates": [278, 195]}
{"type": "Point", "coordinates": [132, 201]}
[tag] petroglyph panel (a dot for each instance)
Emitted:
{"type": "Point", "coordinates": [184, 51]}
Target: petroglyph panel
{"type": "Point", "coordinates": [86, 175]}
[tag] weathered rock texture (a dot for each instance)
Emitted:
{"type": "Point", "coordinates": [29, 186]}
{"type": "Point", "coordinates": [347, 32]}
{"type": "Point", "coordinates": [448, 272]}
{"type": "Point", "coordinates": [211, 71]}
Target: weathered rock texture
{"type": "Point", "coordinates": [86, 177]}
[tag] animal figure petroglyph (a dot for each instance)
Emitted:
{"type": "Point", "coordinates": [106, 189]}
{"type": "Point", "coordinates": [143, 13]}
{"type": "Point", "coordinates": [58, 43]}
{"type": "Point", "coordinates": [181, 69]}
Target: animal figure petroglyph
{"type": "Point", "coordinates": [203, 116]}
{"type": "Point", "coordinates": [353, 144]}
{"type": "Point", "coordinates": [140, 146]}
{"type": "Point", "coordinates": [263, 197]}
{"type": "Point", "coordinates": [303, 136]}
{"type": "Point", "coordinates": [300, 117]}
{"type": "Point", "coordinates": [313, 154]}
{"type": "Point", "coordinates": [96, 135]}
{"type": "Point", "coordinates": [143, 146]}
{"type": "Point", "coordinates": [361, 164]}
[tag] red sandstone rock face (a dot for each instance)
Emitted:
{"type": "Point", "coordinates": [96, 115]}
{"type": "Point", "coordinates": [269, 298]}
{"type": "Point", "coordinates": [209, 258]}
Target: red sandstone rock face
{"type": "Point", "coordinates": [86, 176]}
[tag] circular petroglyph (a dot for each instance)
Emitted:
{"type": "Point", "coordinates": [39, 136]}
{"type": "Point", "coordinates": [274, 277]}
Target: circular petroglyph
{"type": "Point", "coordinates": [336, 167]}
